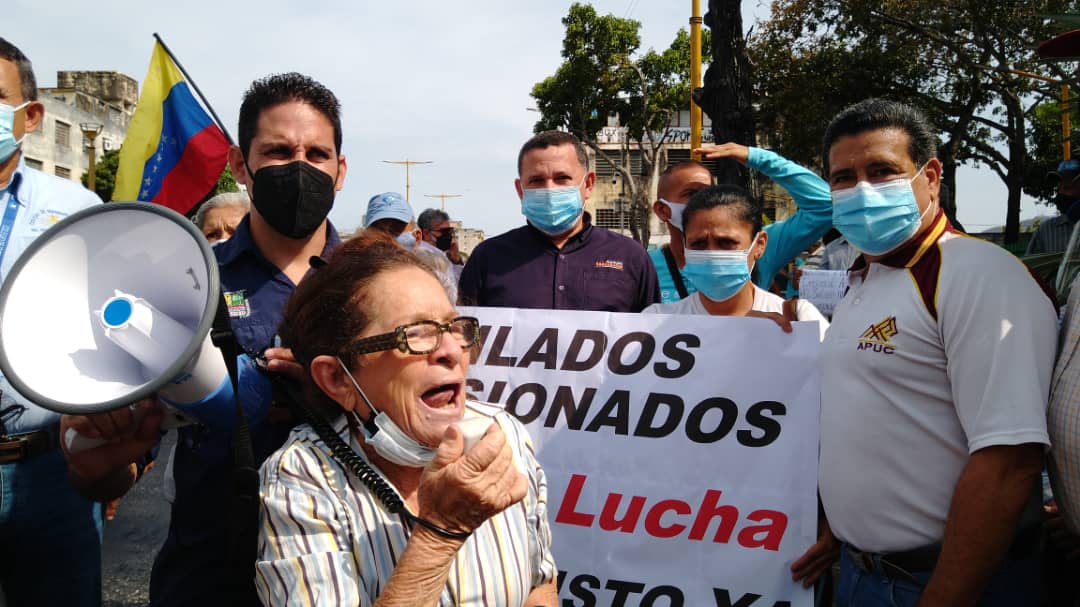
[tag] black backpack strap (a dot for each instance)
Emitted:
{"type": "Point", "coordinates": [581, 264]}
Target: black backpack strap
{"type": "Point", "coordinates": [242, 547]}
{"type": "Point", "coordinates": [673, 269]}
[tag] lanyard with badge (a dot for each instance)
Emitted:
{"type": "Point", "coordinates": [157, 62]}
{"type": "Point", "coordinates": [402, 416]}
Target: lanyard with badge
{"type": "Point", "coordinates": [10, 212]}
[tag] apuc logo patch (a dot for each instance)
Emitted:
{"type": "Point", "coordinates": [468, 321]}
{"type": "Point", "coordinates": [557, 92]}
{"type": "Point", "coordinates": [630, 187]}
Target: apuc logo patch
{"type": "Point", "coordinates": [878, 336]}
{"type": "Point", "coordinates": [613, 265]}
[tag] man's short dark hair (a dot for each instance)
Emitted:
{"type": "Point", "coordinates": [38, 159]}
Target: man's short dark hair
{"type": "Point", "coordinates": [876, 114]}
{"type": "Point", "coordinates": [548, 139]}
{"type": "Point", "coordinates": [281, 88]}
{"type": "Point", "coordinates": [26, 70]}
{"type": "Point", "coordinates": [744, 205]}
{"type": "Point", "coordinates": [430, 217]}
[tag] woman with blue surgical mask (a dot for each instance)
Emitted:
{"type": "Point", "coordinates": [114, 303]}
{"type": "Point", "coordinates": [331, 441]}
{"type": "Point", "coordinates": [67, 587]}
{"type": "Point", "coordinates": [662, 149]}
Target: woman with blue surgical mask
{"type": "Point", "coordinates": [722, 240]}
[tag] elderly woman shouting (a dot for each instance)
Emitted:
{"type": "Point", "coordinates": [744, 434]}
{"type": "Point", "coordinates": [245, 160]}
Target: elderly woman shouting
{"type": "Point", "coordinates": [382, 500]}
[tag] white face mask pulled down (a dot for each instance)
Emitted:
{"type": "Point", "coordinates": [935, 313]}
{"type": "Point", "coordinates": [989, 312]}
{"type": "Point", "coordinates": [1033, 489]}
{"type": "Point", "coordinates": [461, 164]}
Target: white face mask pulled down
{"type": "Point", "coordinates": [677, 209]}
{"type": "Point", "coordinates": [389, 440]}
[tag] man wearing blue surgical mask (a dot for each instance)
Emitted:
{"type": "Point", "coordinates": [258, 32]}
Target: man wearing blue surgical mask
{"type": "Point", "coordinates": [51, 534]}
{"type": "Point", "coordinates": [934, 381]}
{"type": "Point", "coordinates": [558, 260]}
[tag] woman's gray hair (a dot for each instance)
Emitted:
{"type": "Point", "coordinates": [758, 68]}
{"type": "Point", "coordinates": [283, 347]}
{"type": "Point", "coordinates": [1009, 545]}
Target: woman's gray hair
{"type": "Point", "coordinates": [224, 199]}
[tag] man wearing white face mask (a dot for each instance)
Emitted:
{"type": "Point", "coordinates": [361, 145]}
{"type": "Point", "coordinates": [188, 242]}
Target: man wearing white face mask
{"type": "Point", "coordinates": [53, 534]}
{"type": "Point", "coordinates": [787, 238]}
{"type": "Point", "coordinates": [559, 260]}
{"type": "Point", "coordinates": [935, 374]}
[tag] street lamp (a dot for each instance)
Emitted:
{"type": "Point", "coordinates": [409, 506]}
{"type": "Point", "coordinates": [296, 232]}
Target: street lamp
{"type": "Point", "coordinates": [443, 197]}
{"type": "Point", "coordinates": [91, 130]}
{"type": "Point", "coordinates": [408, 163]}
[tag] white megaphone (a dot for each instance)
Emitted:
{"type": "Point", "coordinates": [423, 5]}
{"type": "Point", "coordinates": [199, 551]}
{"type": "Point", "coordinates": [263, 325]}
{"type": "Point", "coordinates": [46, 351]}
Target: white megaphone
{"type": "Point", "coordinates": [111, 305]}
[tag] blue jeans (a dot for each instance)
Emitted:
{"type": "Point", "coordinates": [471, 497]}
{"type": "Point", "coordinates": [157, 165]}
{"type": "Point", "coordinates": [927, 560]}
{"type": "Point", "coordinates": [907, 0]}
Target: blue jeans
{"type": "Point", "coordinates": [1016, 584]}
{"type": "Point", "coordinates": [50, 537]}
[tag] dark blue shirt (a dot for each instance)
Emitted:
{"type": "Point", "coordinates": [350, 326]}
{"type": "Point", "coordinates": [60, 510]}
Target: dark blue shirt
{"type": "Point", "coordinates": [595, 270]}
{"type": "Point", "coordinates": [190, 569]}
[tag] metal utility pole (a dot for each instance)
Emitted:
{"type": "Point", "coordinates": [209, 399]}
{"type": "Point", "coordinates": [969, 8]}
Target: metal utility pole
{"type": "Point", "coordinates": [408, 163]}
{"type": "Point", "coordinates": [443, 197]}
{"type": "Point", "coordinates": [695, 73]}
{"type": "Point", "coordinates": [725, 96]}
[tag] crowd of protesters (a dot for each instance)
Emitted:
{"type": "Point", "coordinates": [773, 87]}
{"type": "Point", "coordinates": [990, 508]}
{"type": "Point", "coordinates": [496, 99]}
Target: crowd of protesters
{"type": "Point", "coordinates": [383, 483]}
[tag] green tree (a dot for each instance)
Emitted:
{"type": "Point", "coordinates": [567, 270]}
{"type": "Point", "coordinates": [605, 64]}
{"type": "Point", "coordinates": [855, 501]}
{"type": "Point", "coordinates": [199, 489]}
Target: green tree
{"type": "Point", "coordinates": [602, 75]}
{"type": "Point", "coordinates": [104, 174]}
{"type": "Point", "coordinates": [957, 61]}
{"type": "Point", "coordinates": [225, 183]}
{"type": "Point", "coordinates": [1044, 148]}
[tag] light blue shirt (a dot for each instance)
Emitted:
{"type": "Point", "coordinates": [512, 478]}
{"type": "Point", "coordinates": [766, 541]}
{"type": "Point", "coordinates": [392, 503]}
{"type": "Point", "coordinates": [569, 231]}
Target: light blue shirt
{"type": "Point", "coordinates": [43, 200]}
{"type": "Point", "coordinates": [787, 238]}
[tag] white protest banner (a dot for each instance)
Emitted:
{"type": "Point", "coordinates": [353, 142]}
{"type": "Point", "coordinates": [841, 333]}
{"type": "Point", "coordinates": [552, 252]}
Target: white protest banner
{"type": "Point", "coordinates": [680, 451]}
{"type": "Point", "coordinates": [823, 288]}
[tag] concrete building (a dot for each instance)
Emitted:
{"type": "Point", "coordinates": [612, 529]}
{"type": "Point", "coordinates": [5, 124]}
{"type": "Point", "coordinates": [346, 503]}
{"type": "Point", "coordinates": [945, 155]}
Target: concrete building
{"type": "Point", "coordinates": [58, 146]}
{"type": "Point", "coordinates": [467, 238]}
{"type": "Point", "coordinates": [609, 203]}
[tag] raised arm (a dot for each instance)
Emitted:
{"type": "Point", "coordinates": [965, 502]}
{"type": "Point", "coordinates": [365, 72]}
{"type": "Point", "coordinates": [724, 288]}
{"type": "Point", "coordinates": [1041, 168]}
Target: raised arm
{"type": "Point", "coordinates": [810, 192]}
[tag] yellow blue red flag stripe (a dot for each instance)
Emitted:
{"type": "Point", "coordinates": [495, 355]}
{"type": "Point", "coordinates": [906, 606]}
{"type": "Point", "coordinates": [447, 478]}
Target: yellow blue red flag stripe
{"type": "Point", "coordinates": [174, 152]}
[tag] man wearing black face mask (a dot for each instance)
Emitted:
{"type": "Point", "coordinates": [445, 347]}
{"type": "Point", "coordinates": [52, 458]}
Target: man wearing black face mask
{"type": "Point", "coordinates": [1053, 234]}
{"type": "Point", "coordinates": [435, 229]}
{"type": "Point", "coordinates": [289, 158]}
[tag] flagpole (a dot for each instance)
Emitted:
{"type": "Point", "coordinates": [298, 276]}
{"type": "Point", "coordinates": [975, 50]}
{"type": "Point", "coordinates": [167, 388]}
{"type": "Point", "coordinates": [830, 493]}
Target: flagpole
{"type": "Point", "coordinates": [190, 81]}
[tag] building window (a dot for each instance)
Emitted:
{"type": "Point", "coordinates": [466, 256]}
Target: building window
{"type": "Point", "coordinates": [609, 219]}
{"type": "Point", "coordinates": [604, 168]}
{"type": "Point", "coordinates": [106, 144]}
{"type": "Point", "coordinates": [62, 172]}
{"type": "Point", "coordinates": [63, 134]}
{"type": "Point", "coordinates": [34, 163]}
{"type": "Point", "coordinates": [612, 219]}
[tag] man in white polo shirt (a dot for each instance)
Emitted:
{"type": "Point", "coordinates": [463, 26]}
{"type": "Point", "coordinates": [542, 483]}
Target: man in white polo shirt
{"type": "Point", "coordinates": [935, 376]}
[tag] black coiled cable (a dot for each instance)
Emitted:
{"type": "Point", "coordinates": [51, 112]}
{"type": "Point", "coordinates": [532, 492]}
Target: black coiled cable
{"type": "Point", "coordinates": [352, 462]}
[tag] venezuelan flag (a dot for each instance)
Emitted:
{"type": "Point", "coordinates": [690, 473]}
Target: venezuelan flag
{"type": "Point", "coordinates": [174, 152]}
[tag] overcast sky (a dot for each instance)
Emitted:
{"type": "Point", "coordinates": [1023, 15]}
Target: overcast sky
{"type": "Point", "coordinates": [430, 80]}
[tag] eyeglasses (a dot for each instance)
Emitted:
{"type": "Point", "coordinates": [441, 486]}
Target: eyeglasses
{"type": "Point", "coordinates": [420, 337]}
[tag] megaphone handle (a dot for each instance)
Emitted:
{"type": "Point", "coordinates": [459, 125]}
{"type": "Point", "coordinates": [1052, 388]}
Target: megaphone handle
{"type": "Point", "coordinates": [75, 442]}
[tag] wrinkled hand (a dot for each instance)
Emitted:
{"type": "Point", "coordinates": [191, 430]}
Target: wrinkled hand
{"type": "Point", "coordinates": [818, 558]}
{"type": "Point", "coordinates": [281, 360]}
{"type": "Point", "coordinates": [458, 492]}
{"type": "Point", "coordinates": [732, 150]}
{"type": "Point", "coordinates": [784, 320]}
{"type": "Point", "coordinates": [126, 438]}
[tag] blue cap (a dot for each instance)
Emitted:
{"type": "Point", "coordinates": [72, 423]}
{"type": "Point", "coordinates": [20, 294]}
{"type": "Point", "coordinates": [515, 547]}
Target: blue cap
{"type": "Point", "coordinates": [388, 205]}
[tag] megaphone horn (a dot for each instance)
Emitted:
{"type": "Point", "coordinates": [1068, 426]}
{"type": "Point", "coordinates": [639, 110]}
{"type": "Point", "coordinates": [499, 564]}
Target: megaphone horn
{"type": "Point", "coordinates": [111, 305]}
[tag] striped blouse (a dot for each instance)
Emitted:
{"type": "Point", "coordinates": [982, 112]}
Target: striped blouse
{"type": "Point", "coordinates": [325, 539]}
